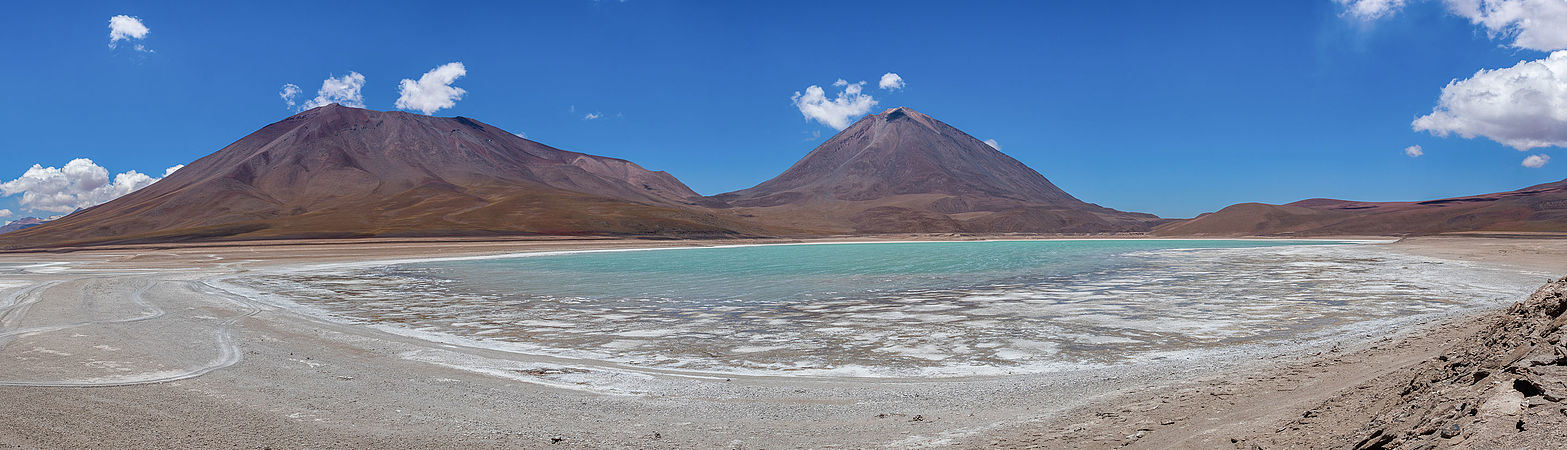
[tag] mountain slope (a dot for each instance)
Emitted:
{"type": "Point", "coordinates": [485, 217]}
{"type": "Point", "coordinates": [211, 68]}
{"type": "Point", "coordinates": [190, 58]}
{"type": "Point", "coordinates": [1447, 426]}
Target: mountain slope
{"type": "Point", "coordinates": [336, 171]}
{"type": "Point", "coordinates": [902, 171]}
{"type": "Point", "coordinates": [1535, 208]}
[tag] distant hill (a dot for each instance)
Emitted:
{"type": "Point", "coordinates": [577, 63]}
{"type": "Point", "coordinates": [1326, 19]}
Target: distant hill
{"type": "Point", "coordinates": [22, 224]}
{"type": "Point", "coordinates": [903, 171]}
{"type": "Point", "coordinates": [1531, 209]}
{"type": "Point", "coordinates": [336, 171]}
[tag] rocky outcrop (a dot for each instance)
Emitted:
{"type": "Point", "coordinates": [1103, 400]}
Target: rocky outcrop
{"type": "Point", "coordinates": [1504, 388]}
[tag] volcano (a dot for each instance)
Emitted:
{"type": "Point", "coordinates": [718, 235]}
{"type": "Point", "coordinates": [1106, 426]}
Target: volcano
{"type": "Point", "coordinates": [336, 171]}
{"type": "Point", "coordinates": [903, 171]}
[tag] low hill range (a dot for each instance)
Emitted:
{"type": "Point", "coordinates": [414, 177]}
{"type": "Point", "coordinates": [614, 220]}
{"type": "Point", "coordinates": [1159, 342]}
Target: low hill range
{"type": "Point", "coordinates": [342, 172]}
{"type": "Point", "coordinates": [1541, 208]}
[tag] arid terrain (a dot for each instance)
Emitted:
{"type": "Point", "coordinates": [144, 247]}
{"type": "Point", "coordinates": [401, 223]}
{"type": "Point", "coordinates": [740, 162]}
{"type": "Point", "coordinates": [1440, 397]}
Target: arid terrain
{"type": "Point", "coordinates": [1446, 384]}
{"type": "Point", "coordinates": [180, 362]}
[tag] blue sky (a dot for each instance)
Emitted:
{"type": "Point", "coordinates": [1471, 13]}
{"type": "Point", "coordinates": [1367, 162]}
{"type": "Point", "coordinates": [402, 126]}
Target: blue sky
{"type": "Point", "coordinates": [1172, 108]}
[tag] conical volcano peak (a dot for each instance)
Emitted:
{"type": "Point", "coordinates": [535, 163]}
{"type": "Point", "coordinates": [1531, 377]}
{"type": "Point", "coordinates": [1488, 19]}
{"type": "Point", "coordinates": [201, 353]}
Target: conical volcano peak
{"type": "Point", "coordinates": [903, 171]}
{"type": "Point", "coordinates": [904, 113]}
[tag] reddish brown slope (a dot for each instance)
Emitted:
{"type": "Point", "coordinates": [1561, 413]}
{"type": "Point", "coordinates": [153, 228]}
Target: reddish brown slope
{"type": "Point", "coordinates": [902, 171]}
{"type": "Point", "coordinates": [1533, 209]}
{"type": "Point", "coordinates": [340, 171]}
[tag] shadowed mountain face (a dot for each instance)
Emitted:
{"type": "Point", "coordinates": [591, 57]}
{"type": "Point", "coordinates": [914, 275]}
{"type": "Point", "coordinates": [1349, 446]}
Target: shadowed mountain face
{"type": "Point", "coordinates": [336, 171]}
{"type": "Point", "coordinates": [22, 224]}
{"type": "Point", "coordinates": [902, 171]}
{"type": "Point", "coordinates": [1536, 208]}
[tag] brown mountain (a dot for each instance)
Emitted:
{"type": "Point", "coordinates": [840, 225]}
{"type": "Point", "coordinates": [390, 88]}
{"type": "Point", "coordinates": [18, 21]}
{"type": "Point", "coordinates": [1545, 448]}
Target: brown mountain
{"type": "Point", "coordinates": [902, 171]}
{"type": "Point", "coordinates": [1535, 208]}
{"type": "Point", "coordinates": [336, 171]}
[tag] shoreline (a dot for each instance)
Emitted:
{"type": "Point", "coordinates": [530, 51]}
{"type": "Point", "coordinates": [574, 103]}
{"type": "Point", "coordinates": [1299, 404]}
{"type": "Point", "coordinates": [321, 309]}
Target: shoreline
{"type": "Point", "coordinates": [830, 410]}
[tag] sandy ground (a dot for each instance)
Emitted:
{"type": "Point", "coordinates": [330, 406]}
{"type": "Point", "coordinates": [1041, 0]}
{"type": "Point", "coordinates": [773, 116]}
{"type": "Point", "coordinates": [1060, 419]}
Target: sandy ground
{"type": "Point", "coordinates": [1271, 404]}
{"type": "Point", "coordinates": [142, 347]}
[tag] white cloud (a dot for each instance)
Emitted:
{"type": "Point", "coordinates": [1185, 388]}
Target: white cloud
{"type": "Point", "coordinates": [342, 90]}
{"type": "Point", "coordinates": [128, 29]}
{"type": "Point", "coordinates": [6, 213]}
{"type": "Point", "coordinates": [1532, 24]}
{"type": "Point", "coordinates": [891, 82]}
{"type": "Point", "coordinates": [1370, 9]}
{"type": "Point", "coordinates": [1414, 151]}
{"type": "Point", "coordinates": [289, 92]}
{"type": "Point", "coordinates": [592, 115]}
{"type": "Point", "coordinates": [993, 144]}
{"type": "Point", "coordinates": [1523, 106]}
{"type": "Point", "coordinates": [171, 170]}
{"type": "Point", "coordinates": [433, 91]}
{"type": "Point", "coordinates": [521, 134]}
{"type": "Point", "coordinates": [838, 112]}
{"type": "Point", "coordinates": [1536, 161]}
{"type": "Point", "coordinates": [841, 82]}
{"type": "Point", "coordinates": [80, 184]}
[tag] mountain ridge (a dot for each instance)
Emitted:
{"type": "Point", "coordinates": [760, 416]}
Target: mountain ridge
{"type": "Point", "coordinates": [342, 172]}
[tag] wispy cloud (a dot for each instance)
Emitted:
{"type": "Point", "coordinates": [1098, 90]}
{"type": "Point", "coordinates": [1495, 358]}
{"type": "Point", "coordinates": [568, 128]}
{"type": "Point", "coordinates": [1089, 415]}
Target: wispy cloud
{"type": "Point", "coordinates": [1530, 24]}
{"type": "Point", "coordinates": [288, 93]}
{"type": "Point", "coordinates": [1414, 151]}
{"type": "Point", "coordinates": [1369, 9]}
{"type": "Point", "coordinates": [592, 116]}
{"type": "Point", "coordinates": [993, 144]}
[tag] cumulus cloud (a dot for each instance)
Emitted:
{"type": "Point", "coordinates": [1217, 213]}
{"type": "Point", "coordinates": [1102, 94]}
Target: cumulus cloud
{"type": "Point", "coordinates": [891, 82]}
{"type": "Point", "coordinates": [1531, 24]}
{"type": "Point", "coordinates": [128, 29]}
{"type": "Point", "coordinates": [80, 184]}
{"type": "Point", "coordinates": [171, 170]}
{"type": "Point", "coordinates": [433, 91]}
{"type": "Point", "coordinates": [993, 144]}
{"type": "Point", "coordinates": [1523, 106]}
{"type": "Point", "coordinates": [1414, 151]}
{"type": "Point", "coordinates": [289, 92]}
{"type": "Point", "coordinates": [838, 112]}
{"type": "Point", "coordinates": [342, 90]}
{"type": "Point", "coordinates": [1536, 161]}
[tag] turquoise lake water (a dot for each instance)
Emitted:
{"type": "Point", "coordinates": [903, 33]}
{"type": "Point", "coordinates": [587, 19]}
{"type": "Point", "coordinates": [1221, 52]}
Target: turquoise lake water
{"type": "Point", "coordinates": [909, 309]}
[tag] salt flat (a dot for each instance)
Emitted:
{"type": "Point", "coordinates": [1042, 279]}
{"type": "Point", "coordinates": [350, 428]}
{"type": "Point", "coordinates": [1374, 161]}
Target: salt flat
{"type": "Point", "coordinates": [303, 380]}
